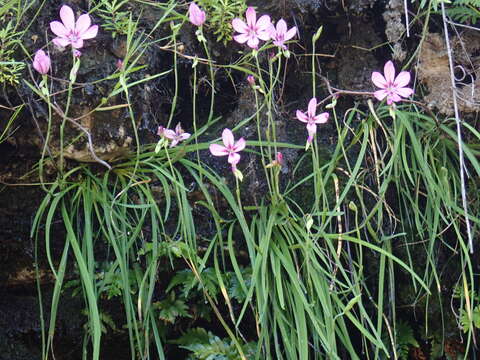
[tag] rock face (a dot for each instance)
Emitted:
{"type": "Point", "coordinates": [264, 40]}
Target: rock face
{"type": "Point", "coordinates": [395, 27]}
{"type": "Point", "coordinates": [354, 60]}
{"type": "Point", "coordinates": [434, 71]}
{"type": "Point", "coordinates": [111, 129]}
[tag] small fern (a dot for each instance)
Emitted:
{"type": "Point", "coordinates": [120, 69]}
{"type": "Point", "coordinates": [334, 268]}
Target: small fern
{"type": "Point", "coordinates": [464, 14]}
{"type": "Point", "coordinates": [405, 339]}
{"type": "Point", "coordinates": [189, 282]}
{"type": "Point", "coordinates": [207, 346]}
{"type": "Point", "coordinates": [115, 18]}
{"type": "Point", "coordinates": [465, 319]}
{"type": "Point", "coordinates": [171, 308]}
{"type": "Point", "coordinates": [464, 11]}
{"type": "Point", "coordinates": [10, 70]}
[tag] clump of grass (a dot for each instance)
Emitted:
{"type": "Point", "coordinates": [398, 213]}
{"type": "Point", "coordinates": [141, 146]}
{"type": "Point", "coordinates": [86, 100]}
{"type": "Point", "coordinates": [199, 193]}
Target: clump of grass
{"type": "Point", "coordinates": [317, 278]}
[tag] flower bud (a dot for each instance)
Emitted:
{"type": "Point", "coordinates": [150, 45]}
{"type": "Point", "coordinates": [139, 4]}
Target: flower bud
{"type": "Point", "coordinates": [279, 158]}
{"type": "Point", "coordinates": [119, 64]}
{"type": "Point", "coordinates": [161, 131]}
{"type": "Point", "coordinates": [196, 15]}
{"type": "Point", "coordinates": [41, 62]}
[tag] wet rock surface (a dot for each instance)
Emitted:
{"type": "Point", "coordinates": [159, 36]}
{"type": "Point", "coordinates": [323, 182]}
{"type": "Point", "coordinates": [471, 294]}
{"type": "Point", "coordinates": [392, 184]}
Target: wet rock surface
{"type": "Point", "coordinates": [113, 138]}
{"type": "Point", "coordinates": [351, 58]}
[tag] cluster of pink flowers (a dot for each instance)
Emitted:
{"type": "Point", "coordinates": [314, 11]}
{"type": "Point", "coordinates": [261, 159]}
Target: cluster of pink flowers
{"type": "Point", "coordinates": [251, 31]}
{"type": "Point", "coordinates": [69, 32]}
{"type": "Point", "coordinates": [392, 88]}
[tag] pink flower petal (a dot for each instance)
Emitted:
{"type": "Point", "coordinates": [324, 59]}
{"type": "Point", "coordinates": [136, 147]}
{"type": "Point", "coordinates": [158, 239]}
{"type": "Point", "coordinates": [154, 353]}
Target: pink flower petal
{"type": "Point", "coordinates": [264, 35]}
{"type": "Point", "coordinates": [59, 29]}
{"type": "Point", "coordinates": [272, 32]}
{"type": "Point", "coordinates": [184, 136]}
{"type": "Point", "coordinates": [379, 80]}
{"type": "Point", "coordinates": [239, 26]}
{"type": "Point", "coordinates": [312, 107]}
{"type": "Point", "coordinates": [178, 129]}
{"type": "Point", "coordinates": [241, 38]}
{"type": "Point", "coordinates": [91, 32]}
{"type": "Point", "coordinates": [322, 118]}
{"type": "Point", "coordinates": [218, 150]}
{"type": "Point", "coordinates": [405, 92]}
{"type": "Point", "coordinates": [253, 42]}
{"type": "Point", "coordinates": [240, 145]}
{"type": "Point", "coordinates": [302, 116]}
{"type": "Point", "coordinates": [281, 26]}
{"type": "Point", "coordinates": [83, 23]}
{"type": "Point", "coordinates": [312, 129]}
{"type": "Point", "coordinates": [393, 98]}
{"type": "Point", "coordinates": [227, 137]}
{"type": "Point", "coordinates": [402, 79]}
{"type": "Point", "coordinates": [202, 17]}
{"type": "Point", "coordinates": [389, 72]}
{"type": "Point", "coordinates": [380, 94]}
{"type": "Point", "coordinates": [169, 134]}
{"type": "Point", "coordinates": [67, 16]}
{"type": "Point", "coordinates": [251, 16]}
{"type": "Point", "coordinates": [264, 23]}
{"type": "Point", "coordinates": [61, 42]}
{"type": "Point", "coordinates": [233, 158]}
{"type": "Point", "coordinates": [291, 33]}
{"type": "Point", "coordinates": [280, 44]}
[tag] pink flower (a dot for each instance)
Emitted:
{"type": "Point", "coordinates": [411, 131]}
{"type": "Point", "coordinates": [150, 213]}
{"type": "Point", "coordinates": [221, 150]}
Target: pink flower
{"type": "Point", "coordinates": [251, 80]}
{"type": "Point", "coordinates": [280, 34]}
{"type": "Point", "coordinates": [393, 88]}
{"type": "Point", "coordinates": [231, 148]}
{"type": "Point", "coordinates": [252, 31]}
{"type": "Point", "coordinates": [41, 62]}
{"type": "Point", "coordinates": [70, 32]}
{"type": "Point", "coordinates": [175, 136]}
{"type": "Point", "coordinates": [196, 15]}
{"type": "Point", "coordinates": [312, 119]}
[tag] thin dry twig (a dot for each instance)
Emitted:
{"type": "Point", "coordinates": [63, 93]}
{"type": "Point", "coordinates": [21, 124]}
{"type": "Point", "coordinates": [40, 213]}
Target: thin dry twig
{"type": "Point", "coordinates": [459, 131]}
{"type": "Point", "coordinates": [87, 133]}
